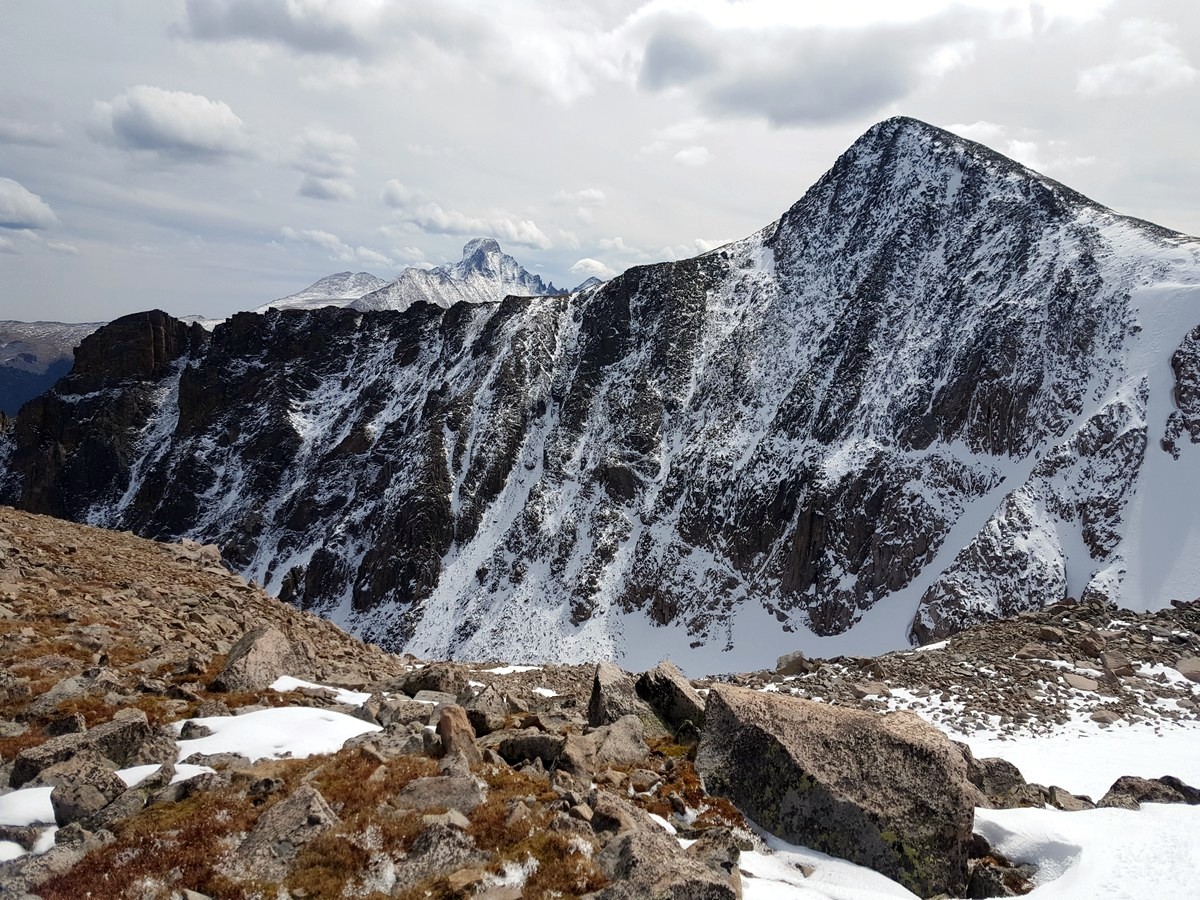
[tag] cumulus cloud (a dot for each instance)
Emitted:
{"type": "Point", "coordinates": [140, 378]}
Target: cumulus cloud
{"type": "Point", "coordinates": [171, 125]}
{"type": "Point", "coordinates": [22, 209]}
{"type": "Point", "coordinates": [309, 26]}
{"type": "Point", "coordinates": [326, 159]}
{"type": "Point", "coordinates": [1159, 65]}
{"type": "Point", "coordinates": [687, 251]}
{"type": "Point", "coordinates": [398, 195]}
{"type": "Point", "coordinates": [768, 62]}
{"type": "Point", "coordinates": [585, 201]}
{"type": "Point", "coordinates": [335, 246]}
{"type": "Point", "coordinates": [432, 218]}
{"type": "Point", "coordinates": [694, 156]}
{"type": "Point", "coordinates": [593, 268]}
{"type": "Point", "coordinates": [33, 134]}
{"type": "Point", "coordinates": [1027, 146]}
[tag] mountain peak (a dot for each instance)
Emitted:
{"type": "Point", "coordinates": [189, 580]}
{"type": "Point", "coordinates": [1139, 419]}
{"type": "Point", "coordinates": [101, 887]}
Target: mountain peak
{"type": "Point", "coordinates": [480, 247]}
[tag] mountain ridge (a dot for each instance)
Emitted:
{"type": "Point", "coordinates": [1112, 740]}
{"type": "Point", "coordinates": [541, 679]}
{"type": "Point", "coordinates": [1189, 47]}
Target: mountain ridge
{"type": "Point", "coordinates": [935, 391]}
{"type": "Point", "coordinates": [484, 274]}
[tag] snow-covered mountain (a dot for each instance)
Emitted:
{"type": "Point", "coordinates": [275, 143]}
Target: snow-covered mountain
{"type": "Point", "coordinates": [941, 388]}
{"type": "Point", "coordinates": [339, 289]}
{"type": "Point", "coordinates": [485, 274]}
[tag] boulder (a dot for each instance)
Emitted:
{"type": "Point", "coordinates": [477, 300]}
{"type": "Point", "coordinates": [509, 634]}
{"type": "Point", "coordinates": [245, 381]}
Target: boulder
{"type": "Point", "coordinates": [795, 663]}
{"type": "Point", "coordinates": [1129, 791]}
{"type": "Point", "coordinates": [649, 865]}
{"type": "Point", "coordinates": [525, 746]}
{"type": "Point", "coordinates": [117, 740]}
{"type": "Point", "coordinates": [487, 710]}
{"type": "Point", "coordinates": [622, 743]}
{"type": "Point", "coordinates": [457, 735]}
{"type": "Point", "coordinates": [271, 846]}
{"type": "Point", "coordinates": [1189, 667]}
{"type": "Point", "coordinates": [1080, 682]}
{"type": "Point", "coordinates": [258, 658]}
{"type": "Point", "coordinates": [1062, 799]}
{"type": "Point", "coordinates": [1115, 665]}
{"type": "Point", "coordinates": [671, 695]}
{"type": "Point", "coordinates": [887, 792]}
{"type": "Point", "coordinates": [86, 783]}
{"type": "Point", "coordinates": [445, 678]}
{"type": "Point", "coordinates": [461, 792]}
{"type": "Point", "coordinates": [614, 695]}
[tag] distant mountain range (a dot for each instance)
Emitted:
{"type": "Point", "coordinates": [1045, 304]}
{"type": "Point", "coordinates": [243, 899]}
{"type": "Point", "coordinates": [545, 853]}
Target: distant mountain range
{"type": "Point", "coordinates": [34, 355]}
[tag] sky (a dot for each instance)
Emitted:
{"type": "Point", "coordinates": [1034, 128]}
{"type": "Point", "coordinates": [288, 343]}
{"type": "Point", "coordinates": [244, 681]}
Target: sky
{"type": "Point", "coordinates": [208, 156]}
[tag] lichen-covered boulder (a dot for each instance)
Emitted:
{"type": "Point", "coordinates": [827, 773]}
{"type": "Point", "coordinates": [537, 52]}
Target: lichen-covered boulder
{"type": "Point", "coordinates": [888, 792]}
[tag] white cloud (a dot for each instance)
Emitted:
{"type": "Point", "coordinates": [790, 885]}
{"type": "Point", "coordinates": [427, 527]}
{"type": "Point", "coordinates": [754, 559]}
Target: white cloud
{"type": "Point", "coordinates": [6, 245]}
{"type": "Point", "coordinates": [585, 197]}
{"type": "Point", "coordinates": [983, 132]}
{"type": "Point", "coordinates": [585, 201]}
{"type": "Point", "coordinates": [33, 134]}
{"type": "Point", "coordinates": [171, 125]}
{"type": "Point", "coordinates": [21, 208]}
{"type": "Point", "coordinates": [398, 195]}
{"type": "Point", "coordinates": [326, 158]}
{"type": "Point", "coordinates": [325, 188]}
{"type": "Point", "coordinates": [1027, 146]}
{"type": "Point", "coordinates": [63, 247]}
{"type": "Point", "coordinates": [694, 156]}
{"type": "Point", "coordinates": [593, 268]}
{"type": "Point", "coordinates": [1162, 66]}
{"type": "Point", "coordinates": [335, 246]}
{"type": "Point", "coordinates": [434, 219]}
{"type": "Point", "coordinates": [695, 248]}
{"type": "Point", "coordinates": [309, 26]}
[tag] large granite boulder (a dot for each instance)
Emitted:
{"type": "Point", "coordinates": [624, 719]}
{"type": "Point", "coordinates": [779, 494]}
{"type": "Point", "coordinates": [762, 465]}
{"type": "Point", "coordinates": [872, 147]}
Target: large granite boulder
{"type": "Point", "coordinates": [259, 657]}
{"type": "Point", "coordinates": [671, 695]}
{"type": "Point", "coordinates": [887, 792]}
{"type": "Point", "coordinates": [614, 696]}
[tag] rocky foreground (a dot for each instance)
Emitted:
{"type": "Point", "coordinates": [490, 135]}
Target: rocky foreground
{"type": "Point", "coordinates": [168, 730]}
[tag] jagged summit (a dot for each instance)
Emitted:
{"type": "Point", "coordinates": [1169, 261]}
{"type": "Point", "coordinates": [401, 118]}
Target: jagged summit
{"type": "Point", "coordinates": [485, 274]}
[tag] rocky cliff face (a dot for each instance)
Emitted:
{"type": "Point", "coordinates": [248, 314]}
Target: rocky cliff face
{"type": "Point", "coordinates": [937, 390]}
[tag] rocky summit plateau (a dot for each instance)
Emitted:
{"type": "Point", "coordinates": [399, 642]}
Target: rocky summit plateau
{"type": "Point", "coordinates": [857, 558]}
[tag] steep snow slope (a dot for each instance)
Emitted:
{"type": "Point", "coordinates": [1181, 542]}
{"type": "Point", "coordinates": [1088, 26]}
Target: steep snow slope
{"type": "Point", "coordinates": [939, 389]}
{"type": "Point", "coordinates": [484, 274]}
{"type": "Point", "coordinates": [339, 289]}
